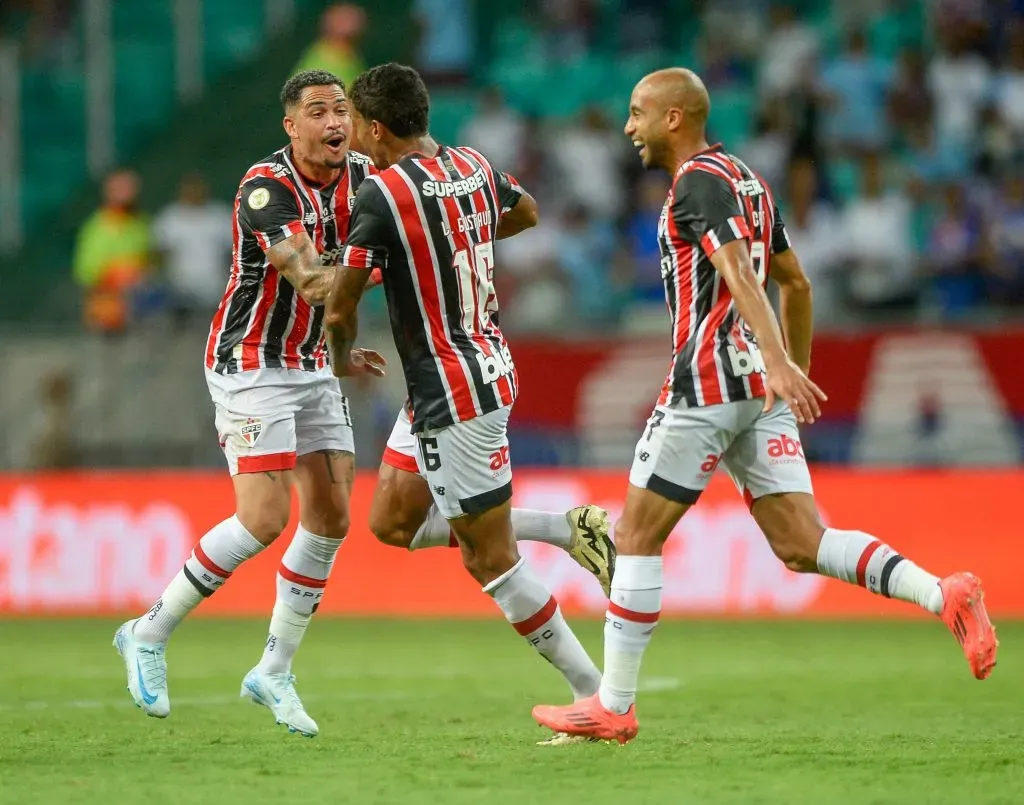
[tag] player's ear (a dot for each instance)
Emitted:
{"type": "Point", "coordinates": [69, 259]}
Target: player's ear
{"type": "Point", "coordinates": [674, 118]}
{"type": "Point", "coordinates": [289, 127]}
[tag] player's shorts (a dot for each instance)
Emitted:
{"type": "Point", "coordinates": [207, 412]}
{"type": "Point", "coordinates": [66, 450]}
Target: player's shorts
{"type": "Point", "coordinates": [467, 464]}
{"type": "Point", "coordinates": [266, 418]}
{"type": "Point", "coordinates": [682, 447]}
{"type": "Point", "coordinates": [400, 452]}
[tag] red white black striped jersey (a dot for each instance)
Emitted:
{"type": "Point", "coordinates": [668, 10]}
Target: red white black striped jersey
{"type": "Point", "coordinates": [714, 199]}
{"type": "Point", "coordinates": [262, 322]}
{"type": "Point", "coordinates": [430, 223]}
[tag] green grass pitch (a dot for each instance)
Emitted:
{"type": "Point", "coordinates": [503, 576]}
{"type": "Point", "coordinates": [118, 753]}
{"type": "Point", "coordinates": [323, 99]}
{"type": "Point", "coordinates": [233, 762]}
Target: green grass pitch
{"type": "Point", "coordinates": [439, 713]}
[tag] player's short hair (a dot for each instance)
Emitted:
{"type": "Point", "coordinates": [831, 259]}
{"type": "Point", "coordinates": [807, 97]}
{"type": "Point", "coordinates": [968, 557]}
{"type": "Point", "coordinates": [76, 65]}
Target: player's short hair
{"type": "Point", "coordinates": [395, 95]}
{"type": "Point", "coordinates": [291, 92]}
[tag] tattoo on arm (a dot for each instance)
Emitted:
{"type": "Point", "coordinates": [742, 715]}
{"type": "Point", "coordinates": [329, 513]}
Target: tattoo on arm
{"type": "Point", "coordinates": [299, 262]}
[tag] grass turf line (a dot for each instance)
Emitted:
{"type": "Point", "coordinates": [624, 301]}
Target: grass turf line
{"type": "Point", "coordinates": [439, 712]}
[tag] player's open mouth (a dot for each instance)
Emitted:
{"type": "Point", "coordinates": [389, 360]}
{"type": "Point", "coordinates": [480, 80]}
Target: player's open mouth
{"type": "Point", "coordinates": [640, 147]}
{"type": "Point", "coordinates": [335, 143]}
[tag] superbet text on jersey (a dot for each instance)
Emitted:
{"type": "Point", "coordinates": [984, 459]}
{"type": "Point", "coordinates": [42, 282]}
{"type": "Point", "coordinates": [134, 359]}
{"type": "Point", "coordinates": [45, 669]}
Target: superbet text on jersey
{"type": "Point", "coordinates": [715, 198]}
{"type": "Point", "coordinates": [262, 323]}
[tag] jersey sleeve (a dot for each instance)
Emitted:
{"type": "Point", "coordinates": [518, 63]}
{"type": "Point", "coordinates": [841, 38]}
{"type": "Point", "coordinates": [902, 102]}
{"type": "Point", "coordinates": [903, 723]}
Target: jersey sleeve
{"type": "Point", "coordinates": [780, 237]}
{"type": "Point", "coordinates": [371, 230]}
{"type": "Point", "coordinates": [707, 212]}
{"type": "Point", "coordinates": [509, 190]}
{"type": "Point", "coordinates": [269, 210]}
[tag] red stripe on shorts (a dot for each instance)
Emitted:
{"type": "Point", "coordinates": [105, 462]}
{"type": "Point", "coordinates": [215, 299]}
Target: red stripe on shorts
{"type": "Point", "coordinates": [400, 461]}
{"type": "Point", "coordinates": [266, 463]}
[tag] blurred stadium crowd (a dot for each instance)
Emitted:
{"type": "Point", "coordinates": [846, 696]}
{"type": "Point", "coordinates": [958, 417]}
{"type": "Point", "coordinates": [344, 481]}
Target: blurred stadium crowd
{"type": "Point", "coordinates": [892, 131]}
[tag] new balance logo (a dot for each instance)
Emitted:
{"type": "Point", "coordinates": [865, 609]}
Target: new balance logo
{"type": "Point", "coordinates": [644, 455]}
{"type": "Point", "coordinates": [439, 490]}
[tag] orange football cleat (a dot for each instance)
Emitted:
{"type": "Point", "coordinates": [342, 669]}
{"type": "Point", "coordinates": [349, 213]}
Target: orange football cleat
{"type": "Point", "coordinates": [589, 718]}
{"type": "Point", "coordinates": [963, 611]}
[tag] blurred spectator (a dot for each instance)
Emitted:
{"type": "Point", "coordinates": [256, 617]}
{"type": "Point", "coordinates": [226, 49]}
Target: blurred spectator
{"type": "Point", "coordinates": [496, 131]}
{"type": "Point", "coordinates": [194, 238]}
{"type": "Point", "coordinates": [642, 25]}
{"type": "Point", "coordinates": [929, 159]}
{"type": "Point", "coordinates": [1006, 242]}
{"type": "Point", "coordinates": [959, 81]}
{"type": "Point", "coordinates": [910, 99]}
{"type": "Point", "coordinates": [641, 234]}
{"type": "Point", "coordinates": [768, 152]}
{"type": "Point", "coordinates": [789, 51]}
{"type": "Point", "coordinates": [590, 156]}
{"type": "Point", "coordinates": [444, 51]}
{"type": "Point", "coordinates": [337, 49]}
{"type": "Point", "coordinates": [113, 254]}
{"type": "Point", "coordinates": [952, 260]}
{"type": "Point", "coordinates": [812, 226]}
{"type": "Point", "coordinates": [876, 235]}
{"type": "Point", "coordinates": [1009, 83]}
{"type": "Point", "coordinates": [998, 146]}
{"type": "Point", "coordinates": [568, 27]}
{"type": "Point", "coordinates": [584, 247]}
{"type": "Point", "coordinates": [854, 86]}
{"type": "Point", "coordinates": [53, 429]}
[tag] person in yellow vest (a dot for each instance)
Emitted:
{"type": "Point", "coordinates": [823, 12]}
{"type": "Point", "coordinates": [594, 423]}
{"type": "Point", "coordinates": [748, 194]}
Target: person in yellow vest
{"type": "Point", "coordinates": [337, 49]}
{"type": "Point", "coordinates": [113, 254]}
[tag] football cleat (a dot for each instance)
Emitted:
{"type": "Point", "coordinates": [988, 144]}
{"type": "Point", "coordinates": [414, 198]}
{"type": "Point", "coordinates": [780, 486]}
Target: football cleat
{"type": "Point", "coordinates": [590, 545]}
{"type": "Point", "coordinates": [147, 671]}
{"type": "Point", "coordinates": [589, 718]}
{"type": "Point", "coordinates": [963, 612]}
{"type": "Point", "coordinates": [277, 693]}
{"type": "Point", "coordinates": [565, 739]}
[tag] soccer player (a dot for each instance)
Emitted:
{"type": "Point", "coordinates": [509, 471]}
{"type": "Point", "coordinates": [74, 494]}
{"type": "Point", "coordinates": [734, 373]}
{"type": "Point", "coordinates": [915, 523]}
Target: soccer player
{"type": "Point", "coordinates": [428, 221]}
{"type": "Point", "coordinates": [280, 414]}
{"type": "Point", "coordinates": [736, 389]}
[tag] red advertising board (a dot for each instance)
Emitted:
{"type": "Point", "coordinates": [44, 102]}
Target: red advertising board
{"type": "Point", "coordinates": [107, 543]}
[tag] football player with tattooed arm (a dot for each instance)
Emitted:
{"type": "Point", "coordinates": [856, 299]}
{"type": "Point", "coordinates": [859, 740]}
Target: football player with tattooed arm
{"type": "Point", "coordinates": [281, 418]}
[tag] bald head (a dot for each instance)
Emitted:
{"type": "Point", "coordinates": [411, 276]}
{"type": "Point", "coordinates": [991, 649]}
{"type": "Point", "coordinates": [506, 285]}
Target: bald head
{"type": "Point", "coordinates": [668, 112]}
{"type": "Point", "coordinates": [678, 88]}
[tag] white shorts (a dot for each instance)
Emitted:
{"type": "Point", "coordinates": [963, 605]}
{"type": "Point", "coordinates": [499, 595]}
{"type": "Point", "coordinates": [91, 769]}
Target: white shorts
{"type": "Point", "coordinates": [682, 447]}
{"type": "Point", "coordinates": [467, 464]}
{"type": "Point", "coordinates": [268, 417]}
{"type": "Point", "coordinates": [400, 452]}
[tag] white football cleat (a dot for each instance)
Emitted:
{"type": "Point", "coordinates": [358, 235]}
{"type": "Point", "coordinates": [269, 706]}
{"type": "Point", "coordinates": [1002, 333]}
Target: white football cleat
{"type": "Point", "coordinates": [147, 671]}
{"type": "Point", "coordinates": [590, 544]}
{"type": "Point", "coordinates": [277, 693]}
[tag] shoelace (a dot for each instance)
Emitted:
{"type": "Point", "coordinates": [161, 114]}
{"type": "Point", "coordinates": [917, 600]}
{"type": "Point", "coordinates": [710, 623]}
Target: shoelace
{"type": "Point", "coordinates": [154, 670]}
{"type": "Point", "coordinates": [290, 695]}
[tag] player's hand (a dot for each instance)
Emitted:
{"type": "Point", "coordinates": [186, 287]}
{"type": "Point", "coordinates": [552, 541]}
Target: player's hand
{"type": "Point", "coordinates": [365, 362]}
{"type": "Point", "coordinates": [376, 278]}
{"type": "Point", "coordinates": [786, 382]}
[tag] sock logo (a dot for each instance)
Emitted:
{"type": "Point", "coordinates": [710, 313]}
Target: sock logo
{"type": "Point", "coordinates": [271, 643]}
{"type": "Point", "coordinates": [547, 634]}
{"type": "Point", "coordinates": [155, 609]}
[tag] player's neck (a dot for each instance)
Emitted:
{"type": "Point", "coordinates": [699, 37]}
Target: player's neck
{"type": "Point", "coordinates": [426, 146]}
{"type": "Point", "coordinates": [317, 172]}
{"type": "Point", "coordinates": [685, 151]}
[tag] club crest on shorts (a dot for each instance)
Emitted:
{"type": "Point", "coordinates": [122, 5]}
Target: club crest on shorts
{"type": "Point", "coordinates": [251, 431]}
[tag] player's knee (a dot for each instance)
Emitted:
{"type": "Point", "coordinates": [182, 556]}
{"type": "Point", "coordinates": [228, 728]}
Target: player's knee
{"type": "Point", "coordinates": [630, 541]}
{"type": "Point", "coordinates": [389, 532]}
{"type": "Point", "coordinates": [265, 522]}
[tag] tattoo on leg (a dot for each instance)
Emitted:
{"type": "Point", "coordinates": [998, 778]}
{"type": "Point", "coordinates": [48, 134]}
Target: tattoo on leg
{"type": "Point", "coordinates": [271, 476]}
{"type": "Point", "coordinates": [329, 457]}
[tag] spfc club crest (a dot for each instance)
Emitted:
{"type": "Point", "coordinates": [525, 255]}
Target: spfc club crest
{"type": "Point", "coordinates": [251, 431]}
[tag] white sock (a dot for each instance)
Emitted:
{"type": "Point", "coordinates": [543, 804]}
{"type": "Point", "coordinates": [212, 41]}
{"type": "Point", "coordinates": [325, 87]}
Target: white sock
{"type": "Point", "coordinates": [537, 526]}
{"type": "Point", "coordinates": [527, 524]}
{"type": "Point", "coordinates": [534, 613]}
{"type": "Point", "coordinates": [301, 578]}
{"type": "Point", "coordinates": [434, 533]}
{"type": "Point", "coordinates": [633, 611]}
{"type": "Point", "coordinates": [859, 558]}
{"type": "Point", "coordinates": [215, 557]}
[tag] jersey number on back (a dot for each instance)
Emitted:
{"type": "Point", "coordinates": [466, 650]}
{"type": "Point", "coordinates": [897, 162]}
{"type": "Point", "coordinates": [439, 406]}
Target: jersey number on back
{"type": "Point", "coordinates": [476, 284]}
